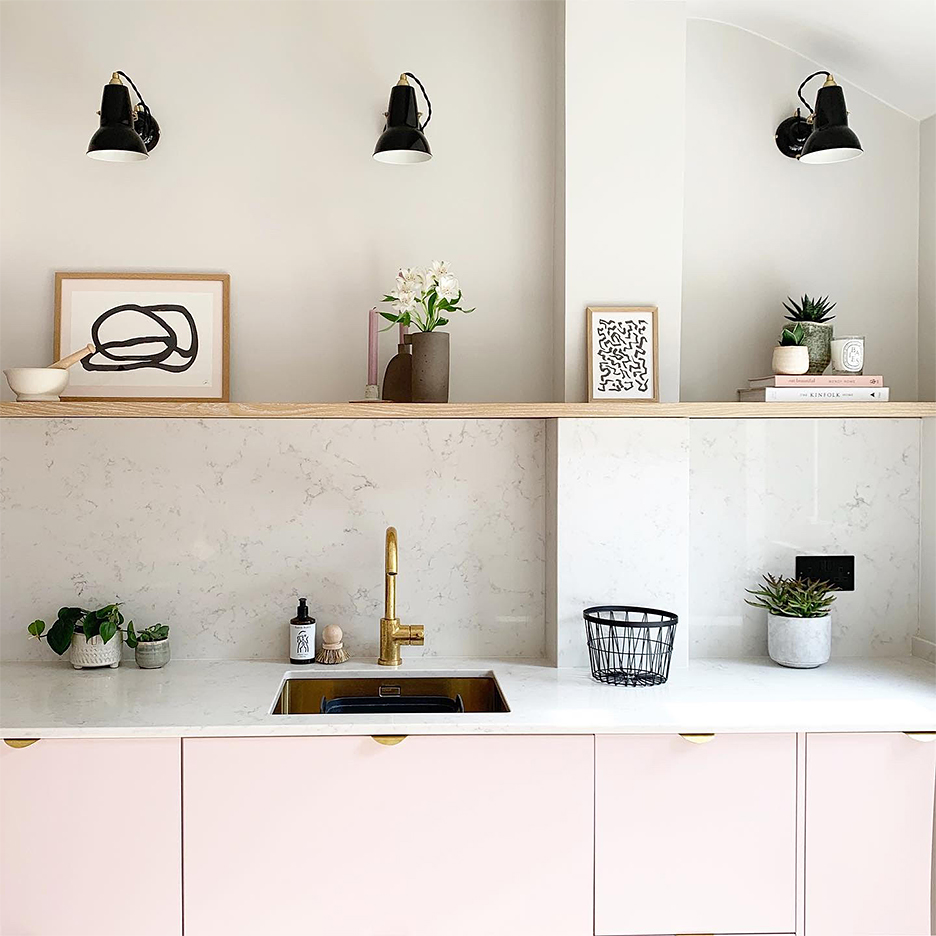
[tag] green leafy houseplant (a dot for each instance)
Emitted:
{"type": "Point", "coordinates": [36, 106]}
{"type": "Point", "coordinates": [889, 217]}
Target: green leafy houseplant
{"type": "Point", "coordinates": [793, 598]}
{"type": "Point", "coordinates": [151, 635]}
{"type": "Point", "coordinates": [809, 310]}
{"type": "Point", "coordinates": [104, 622]}
{"type": "Point", "coordinates": [792, 337]}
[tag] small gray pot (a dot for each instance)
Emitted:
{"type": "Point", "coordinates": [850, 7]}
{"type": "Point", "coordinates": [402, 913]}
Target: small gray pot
{"type": "Point", "coordinates": [802, 643]}
{"type": "Point", "coordinates": [152, 654]}
{"type": "Point", "coordinates": [430, 367]}
{"type": "Point", "coordinates": [818, 338]}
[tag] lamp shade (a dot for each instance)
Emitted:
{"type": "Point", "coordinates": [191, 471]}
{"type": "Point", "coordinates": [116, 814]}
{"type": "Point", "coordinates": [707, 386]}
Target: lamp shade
{"type": "Point", "coordinates": [116, 140]}
{"type": "Point", "coordinates": [831, 140]}
{"type": "Point", "coordinates": [402, 141]}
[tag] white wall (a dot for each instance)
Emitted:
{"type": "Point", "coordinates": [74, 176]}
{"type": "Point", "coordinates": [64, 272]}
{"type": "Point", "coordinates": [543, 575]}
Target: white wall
{"type": "Point", "coordinates": [625, 96]}
{"type": "Point", "coordinates": [270, 111]}
{"type": "Point", "coordinates": [759, 227]}
{"type": "Point", "coordinates": [927, 273]}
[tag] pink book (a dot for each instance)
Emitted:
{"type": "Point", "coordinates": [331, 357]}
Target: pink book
{"type": "Point", "coordinates": [816, 380]}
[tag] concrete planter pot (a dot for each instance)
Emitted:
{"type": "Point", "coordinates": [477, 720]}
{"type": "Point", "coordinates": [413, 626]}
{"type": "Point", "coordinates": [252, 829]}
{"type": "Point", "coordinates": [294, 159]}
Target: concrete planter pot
{"type": "Point", "coordinates": [801, 643]}
{"type": "Point", "coordinates": [790, 359]}
{"type": "Point", "coordinates": [152, 654]}
{"type": "Point", "coordinates": [86, 654]}
{"type": "Point", "coordinates": [430, 367]}
{"type": "Point", "coordinates": [818, 338]}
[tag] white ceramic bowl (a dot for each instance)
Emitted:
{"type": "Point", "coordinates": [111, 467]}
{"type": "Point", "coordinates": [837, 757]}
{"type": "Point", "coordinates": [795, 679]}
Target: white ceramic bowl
{"type": "Point", "coordinates": [36, 383]}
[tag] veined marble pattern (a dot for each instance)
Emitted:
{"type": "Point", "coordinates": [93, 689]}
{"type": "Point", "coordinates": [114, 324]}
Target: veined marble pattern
{"type": "Point", "coordinates": [622, 524]}
{"type": "Point", "coordinates": [215, 527]}
{"type": "Point", "coordinates": [765, 491]}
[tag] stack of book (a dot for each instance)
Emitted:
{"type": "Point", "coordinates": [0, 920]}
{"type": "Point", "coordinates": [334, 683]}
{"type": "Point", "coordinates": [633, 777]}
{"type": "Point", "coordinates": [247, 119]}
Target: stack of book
{"type": "Point", "coordinates": [815, 388]}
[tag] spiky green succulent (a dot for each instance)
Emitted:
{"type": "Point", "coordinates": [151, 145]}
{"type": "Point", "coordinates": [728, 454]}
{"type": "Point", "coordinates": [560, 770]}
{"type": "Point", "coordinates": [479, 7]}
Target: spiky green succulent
{"type": "Point", "coordinates": [809, 310]}
{"type": "Point", "coordinates": [794, 336]}
{"type": "Point", "coordinates": [796, 598]}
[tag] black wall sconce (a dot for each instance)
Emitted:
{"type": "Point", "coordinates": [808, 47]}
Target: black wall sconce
{"type": "Point", "coordinates": [126, 134]}
{"type": "Point", "coordinates": [824, 136]}
{"type": "Point", "coordinates": [403, 141]}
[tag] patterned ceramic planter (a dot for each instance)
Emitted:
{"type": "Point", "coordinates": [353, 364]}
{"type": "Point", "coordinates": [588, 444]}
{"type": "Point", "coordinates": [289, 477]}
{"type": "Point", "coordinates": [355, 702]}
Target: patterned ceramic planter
{"type": "Point", "coordinates": [818, 338]}
{"type": "Point", "coordinates": [152, 654]}
{"type": "Point", "coordinates": [85, 654]}
{"type": "Point", "coordinates": [802, 643]}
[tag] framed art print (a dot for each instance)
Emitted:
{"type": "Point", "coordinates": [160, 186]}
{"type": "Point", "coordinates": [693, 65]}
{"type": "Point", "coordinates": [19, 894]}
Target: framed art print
{"type": "Point", "coordinates": [622, 354]}
{"type": "Point", "coordinates": [158, 336]}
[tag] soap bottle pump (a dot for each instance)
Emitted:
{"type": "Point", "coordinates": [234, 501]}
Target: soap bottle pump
{"type": "Point", "coordinates": [302, 636]}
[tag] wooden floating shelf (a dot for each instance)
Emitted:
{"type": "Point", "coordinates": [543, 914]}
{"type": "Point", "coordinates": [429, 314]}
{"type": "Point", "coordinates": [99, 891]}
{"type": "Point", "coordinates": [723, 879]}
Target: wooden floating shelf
{"type": "Point", "coordinates": [80, 409]}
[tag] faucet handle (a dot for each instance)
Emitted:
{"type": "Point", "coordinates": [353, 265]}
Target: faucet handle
{"type": "Point", "coordinates": [416, 634]}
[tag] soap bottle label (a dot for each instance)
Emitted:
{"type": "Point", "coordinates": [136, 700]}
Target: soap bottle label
{"type": "Point", "coordinates": [302, 642]}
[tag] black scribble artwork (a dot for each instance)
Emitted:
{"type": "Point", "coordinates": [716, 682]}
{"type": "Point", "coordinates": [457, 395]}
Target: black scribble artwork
{"type": "Point", "coordinates": [302, 642]}
{"type": "Point", "coordinates": [623, 355]}
{"type": "Point", "coordinates": [168, 343]}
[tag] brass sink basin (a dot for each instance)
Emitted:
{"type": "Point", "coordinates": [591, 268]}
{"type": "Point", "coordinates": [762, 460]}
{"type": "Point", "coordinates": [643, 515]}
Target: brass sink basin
{"type": "Point", "coordinates": [390, 694]}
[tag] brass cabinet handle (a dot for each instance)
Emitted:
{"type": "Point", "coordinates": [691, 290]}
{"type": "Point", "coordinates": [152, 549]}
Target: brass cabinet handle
{"type": "Point", "coordinates": [921, 735]}
{"type": "Point", "coordinates": [19, 742]}
{"type": "Point", "coordinates": [388, 739]}
{"type": "Point", "coordinates": [697, 738]}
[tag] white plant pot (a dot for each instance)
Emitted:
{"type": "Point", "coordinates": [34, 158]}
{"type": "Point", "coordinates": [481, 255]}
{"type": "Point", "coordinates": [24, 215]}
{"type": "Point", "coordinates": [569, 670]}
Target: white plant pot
{"type": "Point", "coordinates": [803, 643]}
{"type": "Point", "coordinates": [790, 359]}
{"type": "Point", "coordinates": [85, 653]}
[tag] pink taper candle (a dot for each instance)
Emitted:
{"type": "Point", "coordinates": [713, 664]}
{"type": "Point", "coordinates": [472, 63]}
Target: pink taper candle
{"type": "Point", "coordinates": [404, 331]}
{"type": "Point", "coordinates": [372, 347]}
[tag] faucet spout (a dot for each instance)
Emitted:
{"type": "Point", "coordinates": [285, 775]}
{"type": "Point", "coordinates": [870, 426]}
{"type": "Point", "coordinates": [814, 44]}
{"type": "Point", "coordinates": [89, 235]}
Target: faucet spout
{"type": "Point", "coordinates": [393, 634]}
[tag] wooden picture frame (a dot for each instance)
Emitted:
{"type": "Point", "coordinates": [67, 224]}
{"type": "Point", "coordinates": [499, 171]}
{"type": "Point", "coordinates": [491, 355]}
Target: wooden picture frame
{"type": "Point", "coordinates": [119, 370]}
{"type": "Point", "coordinates": [620, 365]}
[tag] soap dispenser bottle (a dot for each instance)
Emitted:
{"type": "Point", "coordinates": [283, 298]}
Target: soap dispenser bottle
{"type": "Point", "coordinates": [302, 636]}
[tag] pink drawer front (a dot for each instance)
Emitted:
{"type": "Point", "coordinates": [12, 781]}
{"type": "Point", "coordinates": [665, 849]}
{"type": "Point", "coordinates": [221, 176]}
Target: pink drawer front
{"type": "Point", "coordinates": [75, 851]}
{"type": "Point", "coordinates": [695, 838]}
{"type": "Point", "coordinates": [435, 836]}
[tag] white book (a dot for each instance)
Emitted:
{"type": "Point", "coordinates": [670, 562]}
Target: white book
{"type": "Point", "coordinates": [815, 395]}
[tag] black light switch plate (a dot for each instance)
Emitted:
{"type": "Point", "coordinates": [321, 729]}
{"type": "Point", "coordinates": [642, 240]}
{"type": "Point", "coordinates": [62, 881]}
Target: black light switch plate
{"type": "Point", "coordinates": [837, 570]}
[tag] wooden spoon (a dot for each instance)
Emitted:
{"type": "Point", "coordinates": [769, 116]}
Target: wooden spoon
{"type": "Point", "coordinates": [73, 358]}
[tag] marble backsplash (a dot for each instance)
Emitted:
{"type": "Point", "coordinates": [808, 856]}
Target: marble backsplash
{"type": "Point", "coordinates": [215, 527]}
{"type": "Point", "coordinates": [683, 515]}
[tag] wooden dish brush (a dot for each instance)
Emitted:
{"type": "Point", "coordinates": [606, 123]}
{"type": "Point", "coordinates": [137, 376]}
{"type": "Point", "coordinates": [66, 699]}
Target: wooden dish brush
{"type": "Point", "coordinates": [332, 650]}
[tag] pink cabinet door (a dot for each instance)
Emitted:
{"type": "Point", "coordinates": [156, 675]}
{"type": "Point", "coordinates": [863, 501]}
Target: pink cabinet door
{"type": "Point", "coordinates": [75, 849]}
{"type": "Point", "coordinates": [342, 836]}
{"type": "Point", "coordinates": [695, 838]}
{"type": "Point", "coordinates": [869, 834]}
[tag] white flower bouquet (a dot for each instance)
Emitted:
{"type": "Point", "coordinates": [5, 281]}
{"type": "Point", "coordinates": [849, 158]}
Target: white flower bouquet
{"type": "Point", "coordinates": [424, 298]}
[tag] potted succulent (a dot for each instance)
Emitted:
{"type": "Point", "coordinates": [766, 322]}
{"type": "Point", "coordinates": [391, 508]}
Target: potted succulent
{"type": "Point", "coordinates": [799, 626]}
{"type": "Point", "coordinates": [813, 316]}
{"type": "Point", "coordinates": [425, 299]}
{"type": "Point", "coordinates": [791, 356]}
{"type": "Point", "coordinates": [150, 646]}
{"type": "Point", "coordinates": [91, 637]}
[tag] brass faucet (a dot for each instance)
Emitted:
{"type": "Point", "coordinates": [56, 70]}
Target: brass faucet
{"type": "Point", "coordinates": [393, 634]}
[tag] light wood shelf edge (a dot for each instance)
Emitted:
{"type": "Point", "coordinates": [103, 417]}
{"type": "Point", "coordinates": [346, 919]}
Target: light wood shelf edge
{"type": "Point", "coordinates": [78, 409]}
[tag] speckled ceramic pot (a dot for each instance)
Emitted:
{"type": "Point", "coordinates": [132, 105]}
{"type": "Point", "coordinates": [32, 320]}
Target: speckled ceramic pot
{"type": "Point", "coordinates": [790, 359]}
{"type": "Point", "coordinates": [430, 367]}
{"type": "Point", "coordinates": [85, 654]}
{"type": "Point", "coordinates": [818, 338]}
{"type": "Point", "coordinates": [152, 654]}
{"type": "Point", "coordinates": [802, 643]}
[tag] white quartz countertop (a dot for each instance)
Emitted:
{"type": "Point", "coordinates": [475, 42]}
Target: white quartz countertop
{"type": "Point", "coordinates": [198, 699]}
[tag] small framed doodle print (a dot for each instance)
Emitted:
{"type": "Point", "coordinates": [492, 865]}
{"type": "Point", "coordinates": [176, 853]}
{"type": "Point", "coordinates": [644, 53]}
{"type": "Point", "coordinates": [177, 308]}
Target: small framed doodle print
{"type": "Point", "coordinates": [158, 336]}
{"type": "Point", "coordinates": [622, 353]}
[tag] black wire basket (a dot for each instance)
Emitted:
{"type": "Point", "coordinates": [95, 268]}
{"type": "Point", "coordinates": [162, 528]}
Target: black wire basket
{"type": "Point", "coordinates": [630, 646]}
